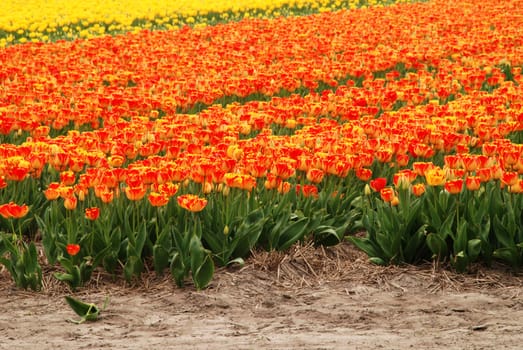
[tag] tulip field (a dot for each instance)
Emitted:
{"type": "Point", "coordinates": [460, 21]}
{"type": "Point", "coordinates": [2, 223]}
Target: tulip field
{"type": "Point", "coordinates": [177, 139]}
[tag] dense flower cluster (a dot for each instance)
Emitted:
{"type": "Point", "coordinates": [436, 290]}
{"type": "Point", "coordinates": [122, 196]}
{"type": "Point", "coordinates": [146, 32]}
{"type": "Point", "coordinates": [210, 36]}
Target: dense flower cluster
{"type": "Point", "coordinates": [49, 20]}
{"type": "Point", "coordinates": [402, 97]}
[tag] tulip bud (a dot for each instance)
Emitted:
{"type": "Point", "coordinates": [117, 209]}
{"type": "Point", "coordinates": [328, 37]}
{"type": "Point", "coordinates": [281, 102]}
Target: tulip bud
{"type": "Point", "coordinates": [367, 190]}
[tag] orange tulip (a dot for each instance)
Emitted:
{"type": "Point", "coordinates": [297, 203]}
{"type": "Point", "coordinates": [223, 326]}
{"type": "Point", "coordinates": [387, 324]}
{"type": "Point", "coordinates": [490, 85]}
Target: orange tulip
{"type": "Point", "coordinates": [135, 193]}
{"type": "Point", "coordinates": [66, 191]}
{"type": "Point", "coordinates": [52, 192]}
{"type": "Point", "coordinates": [421, 167]}
{"type": "Point", "coordinates": [363, 174]}
{"type": "Point", "coordinates": [116, 160]}
{"type": "Point", "coordinates": [13, 211]}
{"type": "Point", "coordinates": [307, 190]}
{"type": "Point", "coordinates": [191, 202]}
{"type": "Point", "coordinates": [395, 201]}
{"type": "Point", "coordinates": [454, 186]}
{"type": "Point", "coordinates": [384, 155]}
{"type": "Point", "coordinates": [283, 170]}
{"type": "Point", "coordinates": [67, 178]}
{"type": "Point", "coordinates": [517, 187]}
{"type": "Point", "coordinates": [418, 189]}
{"type": "Point", "coordinates": [509, 178]}
{"type": "Point", "coordinates": [402, 160]}
{"type": "Point", "coordinates": [92, 213]}
{"type": "Point", "coordinates": [72, 249]}
{"type": "Point", "coordinates": [387, 194]}
{"type": "Point", "coordinates": [106, 195]}
{"type": "Point", "coordinates": [242, 181]}
{"type": "Point", "coordinates": [17, 173]}
{"type": "Point", "coordinates": [272, 182]}
{"type": "Point", "coordinates": [473, 183]}
{"type": "Point", "coordinates": [470, 162]}
{"type": "Point", "coordinates": [158, 199]}
{"type": "Point", "coordinates": [168, 188]}
{"type": "Point", "coordinates": [284, 187]}
{"type": "Point", "coordinates": [71, 202]}
{"type": "Point", "coordinates": [315, 175]}
{"type": "Point", "coordinates": [485, 174]}
{"type": "Point", "coordinates": [452, 161]}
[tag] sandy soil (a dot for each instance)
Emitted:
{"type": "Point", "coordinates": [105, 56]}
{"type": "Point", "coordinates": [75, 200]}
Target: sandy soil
{"type": "Point", "coordinates": [308, 299]}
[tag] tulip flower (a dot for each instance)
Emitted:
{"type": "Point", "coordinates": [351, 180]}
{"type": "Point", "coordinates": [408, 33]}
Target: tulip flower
{"type": "Point", "coordinates": [509, 178]}
{"type": "Point", "coordinates": [242, 181]}
{"type": "Point", "coordinates": [418, 189]}
{"type": "Point", "coordinates": [135, 193]}
{"type": "Point", "coordinates": [72, 249]}
{"type": "Point", "coordinates": [387, 194]}
{"type": "Point", "coordinates": [378, 183]}
{"type": "Point", "coordinates": [435, 177]}
{"type": "Point", "coordinates": [13, 211]}
{"type": "Point", "coordinates": [315, 175]}
{"type": "Point", "coordinates": [454, 186]}
{"type": "Point", "coordinates": [473, 183]}
{"type": "Point", "coordinates": [71, 202]}
{"type": "Point", "coordinates": [92, 213]}
{"type": "Point", "coordinates": [158, 199]}
{"type": "Point", "coordinates": [191, 202]}
{"type": "Point", "coordinates": [363, 174]}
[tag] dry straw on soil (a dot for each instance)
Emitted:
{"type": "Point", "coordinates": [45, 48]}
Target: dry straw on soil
{"type": "Point", "coordinates": [305, 265]}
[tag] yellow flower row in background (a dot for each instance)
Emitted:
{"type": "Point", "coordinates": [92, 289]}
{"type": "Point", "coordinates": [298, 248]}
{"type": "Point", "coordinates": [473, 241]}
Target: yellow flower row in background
{"type": "Point", "coordinates": [47, 20]}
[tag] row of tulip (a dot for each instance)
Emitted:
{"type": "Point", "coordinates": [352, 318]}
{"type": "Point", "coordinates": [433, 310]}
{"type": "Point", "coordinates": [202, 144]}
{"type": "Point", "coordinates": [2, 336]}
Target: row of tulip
{"type": "Point", "coordinates": [312, 139]}
{"type": "Point", "coordinates": [45, 21]}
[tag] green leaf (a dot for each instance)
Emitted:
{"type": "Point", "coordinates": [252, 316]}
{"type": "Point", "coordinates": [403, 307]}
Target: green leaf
{"type": "Point", "coordinates": [248, 233]}
{"type": "Point", "coordinates": [87, 312]}
{"type": "Point", "coordinates": [503, 234]}
{"type": "Point", "coordinates": [160, 258]}
{"type": "Point", "coordinates": [445, 229]}
{"type": "Point", "coordinates": [141, 236]}
{"type": "Point", "coordinates": [8, 265]}
{"type": "Point", "coordinates": [178, 269]}
{"type": "Point", "coordinates": [366, 245]}
{"type": "Point", "coordinates": [110, 262]}
{"type": "Point", "coordinates": [64, 277]}
{"type": "Point", "coordinates": [133, 267]}
{"type": "Point", "coordinates": [460, 261]}
{"type": "Point", "coordinates": [202, 276]}
{"type": "Point", "coordinates": [238, 261]}
{"type": "Point", "coordinates": [511, 255]}
{"type": "Point", "coordinates": [388, 245]}
{"type": "Point", "coordinates": [327, 235]}
{"type": "Point", "coordinates": [292, 233]}
{"type": "Point", "coordinates": [196, 253]}
{"type": "Point", "coordinates": [461, 238]}
{"type": "Point", "coordinates": [473, 249]}
{"type": "Point", "coordinates": [48, 240]}
{"type": "Point", "coordinates": [377, 261]}
{"type": "Point", "coordinates": [437, 245]}
{"type": "Point", "coordinates": [412, 250]}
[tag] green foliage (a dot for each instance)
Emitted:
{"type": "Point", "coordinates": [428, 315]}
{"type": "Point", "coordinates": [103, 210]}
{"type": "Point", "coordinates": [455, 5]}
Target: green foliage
{"type": "Point", "coordinates": [21, 260]}
{"type": "Point", "coordinates": [395, 234]}
{"type": "Point", "coordinates": [87, 311]}
{"type": "Point", "coordinates": [462, 228]}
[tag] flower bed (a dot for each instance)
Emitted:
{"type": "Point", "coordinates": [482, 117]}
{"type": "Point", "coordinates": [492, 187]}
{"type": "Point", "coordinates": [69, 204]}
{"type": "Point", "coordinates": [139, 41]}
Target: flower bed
{"type": "Point", "coordinates": [184, 149]}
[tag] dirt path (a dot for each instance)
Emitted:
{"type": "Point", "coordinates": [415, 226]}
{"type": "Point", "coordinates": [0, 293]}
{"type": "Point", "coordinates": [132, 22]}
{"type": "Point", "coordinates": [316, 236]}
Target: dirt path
{"type": "Point", "coordinates": [294, 304]}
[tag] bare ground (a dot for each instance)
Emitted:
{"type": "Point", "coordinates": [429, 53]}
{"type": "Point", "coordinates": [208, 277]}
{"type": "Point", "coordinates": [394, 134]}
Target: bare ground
{"type": "Point", "coordinates": [307, 298]}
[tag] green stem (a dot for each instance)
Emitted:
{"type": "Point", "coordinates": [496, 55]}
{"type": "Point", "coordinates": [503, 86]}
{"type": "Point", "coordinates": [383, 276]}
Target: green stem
{"type": "Point", "coordinates": [156, 223]}
{"type": "Point", "coordinates": [68, 218]}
